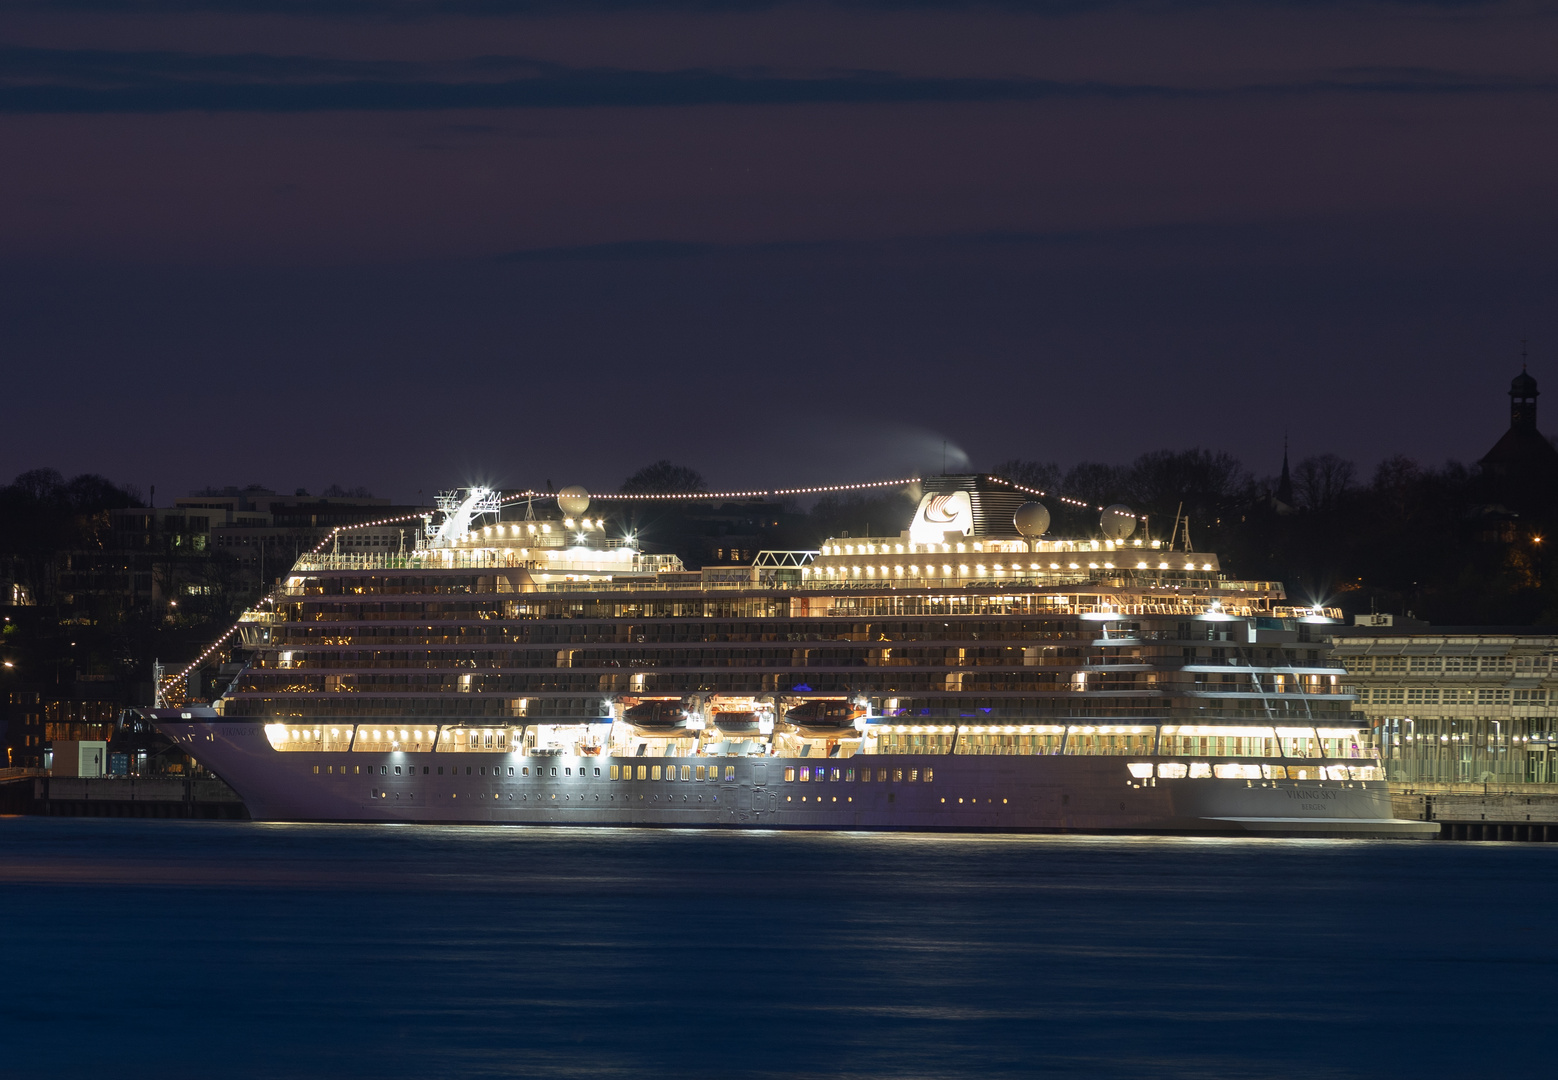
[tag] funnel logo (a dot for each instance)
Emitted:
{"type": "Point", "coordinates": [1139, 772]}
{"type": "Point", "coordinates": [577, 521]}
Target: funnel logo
{"type": "Point", "coordinates": [938, 514]}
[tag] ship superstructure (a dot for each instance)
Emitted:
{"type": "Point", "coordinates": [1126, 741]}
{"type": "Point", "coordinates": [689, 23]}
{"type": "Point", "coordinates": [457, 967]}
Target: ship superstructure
{"type": "Point", "coordinates": [961, 675]}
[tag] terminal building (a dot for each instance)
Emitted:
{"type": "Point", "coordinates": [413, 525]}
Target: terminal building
{"type": "Point", "coordinates": [1452, 704]}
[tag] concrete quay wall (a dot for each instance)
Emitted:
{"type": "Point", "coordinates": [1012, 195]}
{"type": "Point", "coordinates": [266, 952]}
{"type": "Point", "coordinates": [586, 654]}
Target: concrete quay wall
{"type": "Point", "coordinates": [1525, 812]}
{"type": "Point", "coordinates": [117, 796]}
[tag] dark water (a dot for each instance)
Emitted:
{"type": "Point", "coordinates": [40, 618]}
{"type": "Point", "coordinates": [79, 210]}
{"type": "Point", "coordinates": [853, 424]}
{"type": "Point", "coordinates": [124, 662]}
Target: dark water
{"type": "Point", "coordinates": [173, 949]}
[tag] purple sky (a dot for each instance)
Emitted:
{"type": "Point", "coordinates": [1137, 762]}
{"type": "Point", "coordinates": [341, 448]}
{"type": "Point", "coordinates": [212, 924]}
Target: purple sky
{"type": "Point", "coordinates": [410, 245]}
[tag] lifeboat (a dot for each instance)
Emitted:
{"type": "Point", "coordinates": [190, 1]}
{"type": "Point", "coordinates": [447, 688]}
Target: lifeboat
{"type": "Point", "coordinates": [659, 720]}
{"type": "Point", "coordinates": [825, 719]}
{"type": "Point", "coordinates": [737, 725]}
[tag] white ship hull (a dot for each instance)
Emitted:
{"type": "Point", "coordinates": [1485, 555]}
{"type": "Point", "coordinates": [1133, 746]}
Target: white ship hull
{"type": "Point", "coordinates": [966, 793]}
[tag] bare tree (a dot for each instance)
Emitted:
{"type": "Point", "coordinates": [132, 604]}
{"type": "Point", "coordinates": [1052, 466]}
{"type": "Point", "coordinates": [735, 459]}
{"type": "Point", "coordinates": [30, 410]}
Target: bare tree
{"type": "Point", "coordinates": [666, 477]}
{"type": "Point", "coordinates": [1043, 475]}
{"type": "Point", "coordinates": [1319, 483]}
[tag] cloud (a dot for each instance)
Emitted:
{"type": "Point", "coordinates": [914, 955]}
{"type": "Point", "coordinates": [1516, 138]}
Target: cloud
{"type": "Point", "coordinates": [101, 81]}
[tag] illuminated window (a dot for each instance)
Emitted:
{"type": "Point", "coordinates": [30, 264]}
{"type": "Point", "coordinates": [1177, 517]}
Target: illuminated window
{"type": "Point", "coordinates": [789, 775]}
{"type": "Point", "coordinates": [641, 772]}
{"type": "Point", "coordinates": [730, 772]}
{"type": "Point", "coordinates": [700, 772]}
{"type": "Point", "coordinates": [914, 776]}
{"type": "Point", "coordinates": [805, 775]}
{"type": "Point", "coordinates": [835, 775]}
{"type": "Point", "coordinates": [686, 772]}
{"type": "Point", "coordinates": [654, 773]}
{"type": "Point", "coordinates": [849, 775]}
{"type": "Point", "coordinates": [865, 776]}
{"type": "Point", "coordinates": [614, 770]}
{"type": "Point", "coordinates": [897, 776]}
{"type": "Point", "coordinates": [881, 776]}
{"type": "Point", "coordinates": [316, 769]}
{"type": "Point", "coordinates": [928, 773]}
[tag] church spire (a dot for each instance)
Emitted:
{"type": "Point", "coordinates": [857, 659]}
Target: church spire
{"type": "Point", "coordinates": [1285, 484]}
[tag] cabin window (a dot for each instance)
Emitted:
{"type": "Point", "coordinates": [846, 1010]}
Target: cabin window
{"type": "Point", "coordinates": [881, 776]}
{"type": "Point", "coordinates": [897, 776]}
{"type": "Point", "coordinates": [641, 771]}
{"type": "Point", "coordinates": [700, 772]}
{"type": "Point", "coordinates": [316, 769]}
{"type": "Point", "coordinates": [914, 776]}
{"type": "Point", "coordinates": [865, 776]}
{"type": "Point", "coordinates": [835, 775]}
{"type": "Point", "coordinates": [511, 770]}
{"type": "Point", "coordinates": [654, 772]}
{"type": "Point", "coordinates": [440, 770]}
{"type": "Point", "coordinates": [789, 775]}
{"type": "Point", "coordinates": [383, 770]}
{"type": "Point", "coordinates": [805, 775]}
{"type": "Point", "coordinates": [614, 770]}
{"type": "Point", "coordinates": [928, 773]}
{"type": "Point", "coordinates": [686, 772]}
{"type": "Point", "coordinates": [730, 772]}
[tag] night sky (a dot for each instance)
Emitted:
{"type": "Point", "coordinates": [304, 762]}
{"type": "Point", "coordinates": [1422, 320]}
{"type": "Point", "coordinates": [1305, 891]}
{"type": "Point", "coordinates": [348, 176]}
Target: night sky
{"type": "Point", "coordinates": [414, 245]}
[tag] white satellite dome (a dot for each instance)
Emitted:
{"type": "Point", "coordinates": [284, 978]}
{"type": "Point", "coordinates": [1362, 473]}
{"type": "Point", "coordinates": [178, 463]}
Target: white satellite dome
{"type": "Point", "coordinates": [573, 500]}
{"type": "Point", "coordinates": [1117, 521]}
{"type": "Point", "coordinates": [1032, 519]}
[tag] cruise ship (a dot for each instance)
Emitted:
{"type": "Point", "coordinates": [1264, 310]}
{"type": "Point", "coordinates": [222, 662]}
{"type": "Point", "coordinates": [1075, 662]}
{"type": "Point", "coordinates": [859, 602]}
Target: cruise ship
{"type": "Point", "coordinates": [973, 673]}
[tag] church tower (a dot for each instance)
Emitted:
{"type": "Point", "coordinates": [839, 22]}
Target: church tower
{"type": "Point", "coordinates": [1522, 402]}
{"type": "Point", "coordinates": [1523, 465]}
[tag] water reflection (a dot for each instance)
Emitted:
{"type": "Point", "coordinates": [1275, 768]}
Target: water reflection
{"type": "Point", "coordinates": [282, 950]}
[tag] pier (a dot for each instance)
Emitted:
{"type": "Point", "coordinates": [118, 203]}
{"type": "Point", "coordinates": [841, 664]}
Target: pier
{"type": "Point", "coordinates": [29, 791]}
{"type": "Point", "coordinates": [1525, 812]}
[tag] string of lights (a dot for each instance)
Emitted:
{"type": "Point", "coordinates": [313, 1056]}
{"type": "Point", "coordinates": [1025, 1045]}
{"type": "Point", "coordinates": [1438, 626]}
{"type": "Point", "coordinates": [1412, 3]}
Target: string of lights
{"type": "Point", "coordinates": [1035, 491]}
{"type": "Point", "coordinates": [823, 489]}
{"type": "Point", "coordinates": [174, 680]}
{"type": "Point", "coordinates": [339, 529]}
{"type": "Point", "coordinates": [820, 489]}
